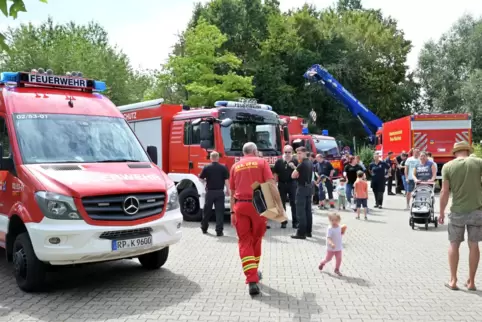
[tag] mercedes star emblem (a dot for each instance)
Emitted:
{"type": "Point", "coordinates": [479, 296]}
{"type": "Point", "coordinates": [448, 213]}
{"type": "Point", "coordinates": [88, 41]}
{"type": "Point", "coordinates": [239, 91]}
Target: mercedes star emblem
{"type": "Point", "coordinates": [131, 205]}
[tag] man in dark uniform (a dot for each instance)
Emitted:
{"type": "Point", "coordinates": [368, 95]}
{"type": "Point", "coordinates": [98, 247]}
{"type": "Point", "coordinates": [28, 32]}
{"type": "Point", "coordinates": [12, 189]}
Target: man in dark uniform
{"type": "Point", "coordinates": [283, 168]}
{"type": "Point", "coordinates": [399, 172]}
{"type": "Point", "coordinates": [304, 176]}
{"type": "Point", "coordinates": [250, 226]}
{"type": "Point", "coordinates": [314, 189]}
{"type": "Point", "coordinates": [324, 167]}
{"type": "Point", "coordinates": [379, 171]}
{"type": "Point", "coordinates": [391, 162]}
{"type": "Point", "coordinates": [215, 176]}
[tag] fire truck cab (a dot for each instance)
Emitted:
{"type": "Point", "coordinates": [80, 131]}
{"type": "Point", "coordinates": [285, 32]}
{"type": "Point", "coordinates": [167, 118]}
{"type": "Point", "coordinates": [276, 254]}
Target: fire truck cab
{"type": "Point", "coordinates": [184, 137]}
{"type": "Point", "coordinates": [77, 186]}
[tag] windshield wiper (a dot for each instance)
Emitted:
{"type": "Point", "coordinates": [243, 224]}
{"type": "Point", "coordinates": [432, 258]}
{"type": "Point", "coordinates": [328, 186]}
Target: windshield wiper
{"type": "Point", "coordinates": [118, 160]}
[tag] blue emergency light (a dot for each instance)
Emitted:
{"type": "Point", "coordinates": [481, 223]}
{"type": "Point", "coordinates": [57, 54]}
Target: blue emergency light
{"type": "Point", "coordinates": [324, 132]}
{"type": "Point", "coordinates": [304, 130]}
{"type": "Point", "coordinates": [48, 80]}
{"type": "Point", "coordinates": [242, 104]}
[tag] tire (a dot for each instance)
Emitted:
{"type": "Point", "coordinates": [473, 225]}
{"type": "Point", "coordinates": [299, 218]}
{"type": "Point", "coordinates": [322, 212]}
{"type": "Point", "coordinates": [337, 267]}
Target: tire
{"type": "Point", "coordinates": [28, 270]}
{"type": "Point", "coordinates": [154, 260]}
{"type": "Point", "coordinates": [190, 205]}
{"type": "Point", "coordinates": [435, 222]}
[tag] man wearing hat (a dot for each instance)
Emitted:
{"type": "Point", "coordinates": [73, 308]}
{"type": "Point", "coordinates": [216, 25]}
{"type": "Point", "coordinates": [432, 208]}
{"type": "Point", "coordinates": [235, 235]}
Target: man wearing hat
{"type": "Point", "coordinates": [461, 177]}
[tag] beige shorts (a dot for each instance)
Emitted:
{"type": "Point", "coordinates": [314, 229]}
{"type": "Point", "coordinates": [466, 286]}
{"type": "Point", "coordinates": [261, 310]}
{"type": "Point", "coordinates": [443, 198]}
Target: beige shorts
{"type": "Point", "coordinates": [459, 222]}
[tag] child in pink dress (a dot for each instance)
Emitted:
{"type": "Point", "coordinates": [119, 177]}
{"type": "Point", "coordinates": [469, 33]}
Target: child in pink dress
{"type": "Point", "coordinates": [334, 245]}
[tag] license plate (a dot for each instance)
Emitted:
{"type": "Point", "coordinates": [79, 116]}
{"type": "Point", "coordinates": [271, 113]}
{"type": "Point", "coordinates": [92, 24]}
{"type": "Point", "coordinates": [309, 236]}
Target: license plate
{"type": "Point", "coordinates": [131, 243]}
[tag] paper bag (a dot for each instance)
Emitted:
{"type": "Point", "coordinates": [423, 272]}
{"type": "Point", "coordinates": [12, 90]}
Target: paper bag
{"type": "Point", "coordinates": [267, 201]}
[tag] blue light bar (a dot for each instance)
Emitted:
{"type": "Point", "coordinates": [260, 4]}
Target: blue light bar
{"type": "Point", "coordinates": [47, 80]}
{"type": "Point", "coordinates": [242, 104]}
{"type": "Point", "coordinates": [324, 132]}
{"type": "Point", "coordinates": [304, 130]}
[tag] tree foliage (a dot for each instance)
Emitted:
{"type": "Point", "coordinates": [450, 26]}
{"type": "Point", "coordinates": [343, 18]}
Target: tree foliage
{"type": "Point", "coordinates": [205, 73]}
{"type": "Point", "coordinates": [450, 71]}
{"type": "Point", "coordinates": [363, 49]}
{"type": "Point", "coordinates": [11, 8]}
{"type": "Point", "coordinates": [72, 47]}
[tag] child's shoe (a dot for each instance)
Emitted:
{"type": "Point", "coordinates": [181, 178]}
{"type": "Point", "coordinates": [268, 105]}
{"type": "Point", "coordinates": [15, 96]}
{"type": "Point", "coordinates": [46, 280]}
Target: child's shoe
{"type": "Point", "coordinates": [337, 272]}
{"type": "Point", "coordinates": [320, 267]}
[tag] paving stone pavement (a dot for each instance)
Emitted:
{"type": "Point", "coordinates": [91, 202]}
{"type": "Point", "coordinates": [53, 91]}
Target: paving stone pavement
{"type": "Point", "coordinates": [392, 273]}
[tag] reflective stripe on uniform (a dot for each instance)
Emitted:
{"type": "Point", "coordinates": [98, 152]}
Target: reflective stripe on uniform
{"type": "Point", "coordinates": [250, 266]}
{"type": "Point", "coordinates": [247, 259]}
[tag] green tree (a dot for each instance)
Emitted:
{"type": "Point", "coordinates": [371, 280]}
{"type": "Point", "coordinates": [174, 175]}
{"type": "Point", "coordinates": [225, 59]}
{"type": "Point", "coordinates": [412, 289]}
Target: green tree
{"type": "Point", "coordinates": [11, 8]}
{"type": "Point", "coordinates": [203, 71]}
{"type": "Point", "coordinates": [72, 47]}
{"type": "Point", "coordinates": [450, 71]}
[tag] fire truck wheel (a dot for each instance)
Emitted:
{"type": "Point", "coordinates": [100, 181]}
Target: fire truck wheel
{"type": "Point", "coordinates": [29, 271]}
{"type": "Point", "coordinates": [190, 206]}
{"type": "Point", "coordinates": [154, 260]}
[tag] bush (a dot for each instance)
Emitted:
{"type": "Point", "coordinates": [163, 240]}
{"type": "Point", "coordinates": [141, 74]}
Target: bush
{"type": "Point", "coordinates": [366, 155]}
{"type": "Point", "coordinates": [478, 150]}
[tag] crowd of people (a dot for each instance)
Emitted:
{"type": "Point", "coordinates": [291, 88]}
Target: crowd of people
{"type": "Point", "coordinates": [305, 178]}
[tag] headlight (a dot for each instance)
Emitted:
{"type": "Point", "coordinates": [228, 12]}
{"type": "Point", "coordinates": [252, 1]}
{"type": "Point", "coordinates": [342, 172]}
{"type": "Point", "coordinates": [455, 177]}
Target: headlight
{"type": "Point", "coordinates": [172, 199]}
{"type": "Point", "coordinates": [55, 206]}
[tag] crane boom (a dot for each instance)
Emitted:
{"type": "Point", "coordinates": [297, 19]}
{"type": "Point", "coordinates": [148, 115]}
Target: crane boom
{"type": "Point", "coordinates": [370, 122]}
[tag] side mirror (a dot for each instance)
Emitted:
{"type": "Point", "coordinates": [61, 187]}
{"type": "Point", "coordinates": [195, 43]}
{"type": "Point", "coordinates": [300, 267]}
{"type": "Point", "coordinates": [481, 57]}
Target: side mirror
{"type": "Point", "coordinates": [6, 164]}
{"type": "Point", "coordinates": [226, 122]}
{"type": "Point", "coordinates": [205, 131]}
{"type": "Point", "coordinates": [286, 134]}
{"type": "Point", "coordinates": [206, 144]}
{"type": "Point", "coordinates": [152, 153]}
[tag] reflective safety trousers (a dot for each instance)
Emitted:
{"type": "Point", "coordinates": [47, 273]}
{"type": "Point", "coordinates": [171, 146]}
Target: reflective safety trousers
{"type": "Point", "coordinates": [250, 227]}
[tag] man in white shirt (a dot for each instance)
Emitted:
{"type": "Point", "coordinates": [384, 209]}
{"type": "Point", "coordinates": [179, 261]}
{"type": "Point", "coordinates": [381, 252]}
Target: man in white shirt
{"type": "Point", "coordinates": [410, 165]}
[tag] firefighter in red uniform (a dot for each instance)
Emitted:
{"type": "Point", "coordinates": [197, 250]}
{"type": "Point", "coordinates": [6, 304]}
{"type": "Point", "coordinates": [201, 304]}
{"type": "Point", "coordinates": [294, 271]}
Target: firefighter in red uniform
{"type": "Point", "coordinates": [250, 226]}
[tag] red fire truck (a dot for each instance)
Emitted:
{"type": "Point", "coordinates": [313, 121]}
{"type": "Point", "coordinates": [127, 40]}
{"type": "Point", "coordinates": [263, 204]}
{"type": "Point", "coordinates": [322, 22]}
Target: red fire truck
{"type": "Point", "coordinates": [319, 144]}
{"type": "Point", "coordinates": [435, 133]}
{"type": "Point", "coordinates": [185, 136]}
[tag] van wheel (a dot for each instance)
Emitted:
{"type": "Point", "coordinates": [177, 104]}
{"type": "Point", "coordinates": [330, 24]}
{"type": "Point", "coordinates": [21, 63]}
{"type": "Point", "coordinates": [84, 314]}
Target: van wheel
{"type": "Point", "coordinates": [190, 205]}
{"type": "Point", "coordinates": [29, 271]}
{"type": "Point", "coordinates": [154, 260]}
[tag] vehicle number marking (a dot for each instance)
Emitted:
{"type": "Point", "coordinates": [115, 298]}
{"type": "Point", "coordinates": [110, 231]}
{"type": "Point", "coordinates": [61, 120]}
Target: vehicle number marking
{"type": "Point", "coordinates": [31, 116]}
{"type": "Point", "coordinates": [131, 243]}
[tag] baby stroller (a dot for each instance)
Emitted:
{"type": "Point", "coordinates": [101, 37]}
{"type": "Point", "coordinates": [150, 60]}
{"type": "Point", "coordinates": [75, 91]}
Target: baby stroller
{"type": "Point", "coordinates": [422, 208]}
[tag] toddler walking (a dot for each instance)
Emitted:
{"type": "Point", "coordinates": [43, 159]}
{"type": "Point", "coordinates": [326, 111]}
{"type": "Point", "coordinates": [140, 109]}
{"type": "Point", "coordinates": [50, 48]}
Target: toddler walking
{"type": "Point", "coordinates": [334, 244]}
{"type": "Point", "coordinates": [341, 192]}
{"type": "Point", "coordinates": [360, 189]}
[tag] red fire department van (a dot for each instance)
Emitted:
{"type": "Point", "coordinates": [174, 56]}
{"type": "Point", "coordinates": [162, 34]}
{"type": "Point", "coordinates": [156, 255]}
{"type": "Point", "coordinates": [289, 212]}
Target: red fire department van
{"type": "Point", "coordinates": [435, 133]}
{"type": "Point", "coordinates": [319, 144]}
{"type": "Point", "coordinates": [185, 136]}
{"type": "Point", "coordinates": [77, 186]}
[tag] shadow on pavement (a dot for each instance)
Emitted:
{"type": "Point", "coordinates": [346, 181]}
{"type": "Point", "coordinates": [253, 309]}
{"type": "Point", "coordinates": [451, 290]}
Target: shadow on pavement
{"type": "Point", "coordinates": [350, 279]}
{"type": "Point", "coordinates": [113, 288]}
{"type": "Point", "coordinates": [289, 303]}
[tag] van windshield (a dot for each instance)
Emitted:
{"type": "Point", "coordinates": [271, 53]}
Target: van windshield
{"type": "Point", "coordinates": [327, 148]}
{"type": "Point", "coordinates": [66, 138]}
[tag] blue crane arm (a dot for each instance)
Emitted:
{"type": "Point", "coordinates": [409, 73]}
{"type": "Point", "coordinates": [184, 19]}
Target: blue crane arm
{"type": "Point", "coordinates": [370, 122]}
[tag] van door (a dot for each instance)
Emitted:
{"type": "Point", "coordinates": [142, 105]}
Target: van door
{"type": "Point", "coordinates": [179, 147]}
{"type": "Point", "coordinates": [11, 188]}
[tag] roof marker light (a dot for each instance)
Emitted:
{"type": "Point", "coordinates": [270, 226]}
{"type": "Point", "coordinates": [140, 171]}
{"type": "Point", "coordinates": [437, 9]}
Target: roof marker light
{"type": "Point", "coordinates": [324, 132]}
{"type": "Point", "coordinates": [304, 130]}
{"type": "Point", "coordinates": [242, 104]}
{"type": "Point", "coordinates": [40, 78]}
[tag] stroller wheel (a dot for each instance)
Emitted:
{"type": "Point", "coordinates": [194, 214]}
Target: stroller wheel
{"type": "Point", "coordinates": [412, 223]}
{"type": "Point", "coordinates": [426, 224]}
{"type": "Point", "coordinates": [435, 222]}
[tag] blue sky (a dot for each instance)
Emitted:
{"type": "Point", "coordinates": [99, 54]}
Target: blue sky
{"type": "Point", "coordinates": [146, 29]}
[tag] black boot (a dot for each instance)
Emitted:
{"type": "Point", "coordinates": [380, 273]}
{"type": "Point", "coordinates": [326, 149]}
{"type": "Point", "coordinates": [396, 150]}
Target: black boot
{"type": "Point", "coordinates": [283, 224]}
{"type": "Point", "coordinates": [253, 289]}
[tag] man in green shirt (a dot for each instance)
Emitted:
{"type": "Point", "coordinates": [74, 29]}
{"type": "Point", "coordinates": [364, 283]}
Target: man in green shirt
{"type": "Point", "coordinates": [462, 178]}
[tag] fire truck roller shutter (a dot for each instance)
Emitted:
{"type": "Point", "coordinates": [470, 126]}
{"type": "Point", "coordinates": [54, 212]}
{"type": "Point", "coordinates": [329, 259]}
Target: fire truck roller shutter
{"type": "Point", "coordinates": [191, 188]}
{"type": "Point", "coordinates": [149, 132]}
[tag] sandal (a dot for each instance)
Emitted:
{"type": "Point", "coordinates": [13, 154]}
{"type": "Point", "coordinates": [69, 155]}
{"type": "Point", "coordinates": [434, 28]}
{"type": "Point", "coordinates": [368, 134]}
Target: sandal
{"type": "Point", "coordinates": [472, 289]}
{"type": "Point", "coordinates": [453, 288]}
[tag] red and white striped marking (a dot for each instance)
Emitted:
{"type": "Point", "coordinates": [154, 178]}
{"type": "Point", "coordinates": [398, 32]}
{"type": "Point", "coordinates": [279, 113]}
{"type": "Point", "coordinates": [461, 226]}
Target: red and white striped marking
{"type": "Point", "coordinates": [462, 136]}
{"type": "Point", "coordinates": [420, 141]}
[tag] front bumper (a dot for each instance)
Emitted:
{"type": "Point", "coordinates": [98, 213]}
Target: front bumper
{"type": "Point", "coordinates": [81, 242]}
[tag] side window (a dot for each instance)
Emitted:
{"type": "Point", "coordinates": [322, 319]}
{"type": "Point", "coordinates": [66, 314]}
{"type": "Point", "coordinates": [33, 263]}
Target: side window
{"type": "Point", "coordinates": [308, 146]}
{"type": "Point", "coordinates": [195, 135]}
{"type": "Point", "coordinates": [4, 137]}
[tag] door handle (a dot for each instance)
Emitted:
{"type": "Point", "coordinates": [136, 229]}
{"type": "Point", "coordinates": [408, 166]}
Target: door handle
{"type": "Point", "coordinates": [191, 165]}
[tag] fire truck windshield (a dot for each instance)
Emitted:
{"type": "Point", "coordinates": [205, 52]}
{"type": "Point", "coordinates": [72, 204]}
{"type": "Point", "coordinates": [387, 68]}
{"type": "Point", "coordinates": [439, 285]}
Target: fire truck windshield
{"type": "Point", "coordinates": [267, 137]}
{"type": "Point", "coordinates": [328, 148]}
{"type": "Point", "coordinates": [66, 138]}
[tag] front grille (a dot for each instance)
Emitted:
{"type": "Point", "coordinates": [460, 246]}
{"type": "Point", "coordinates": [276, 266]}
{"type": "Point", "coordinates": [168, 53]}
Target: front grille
{"type": "Point", "coordinates": [111, 207]}
{"type": "Point", "coordinates": [126, 234]}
